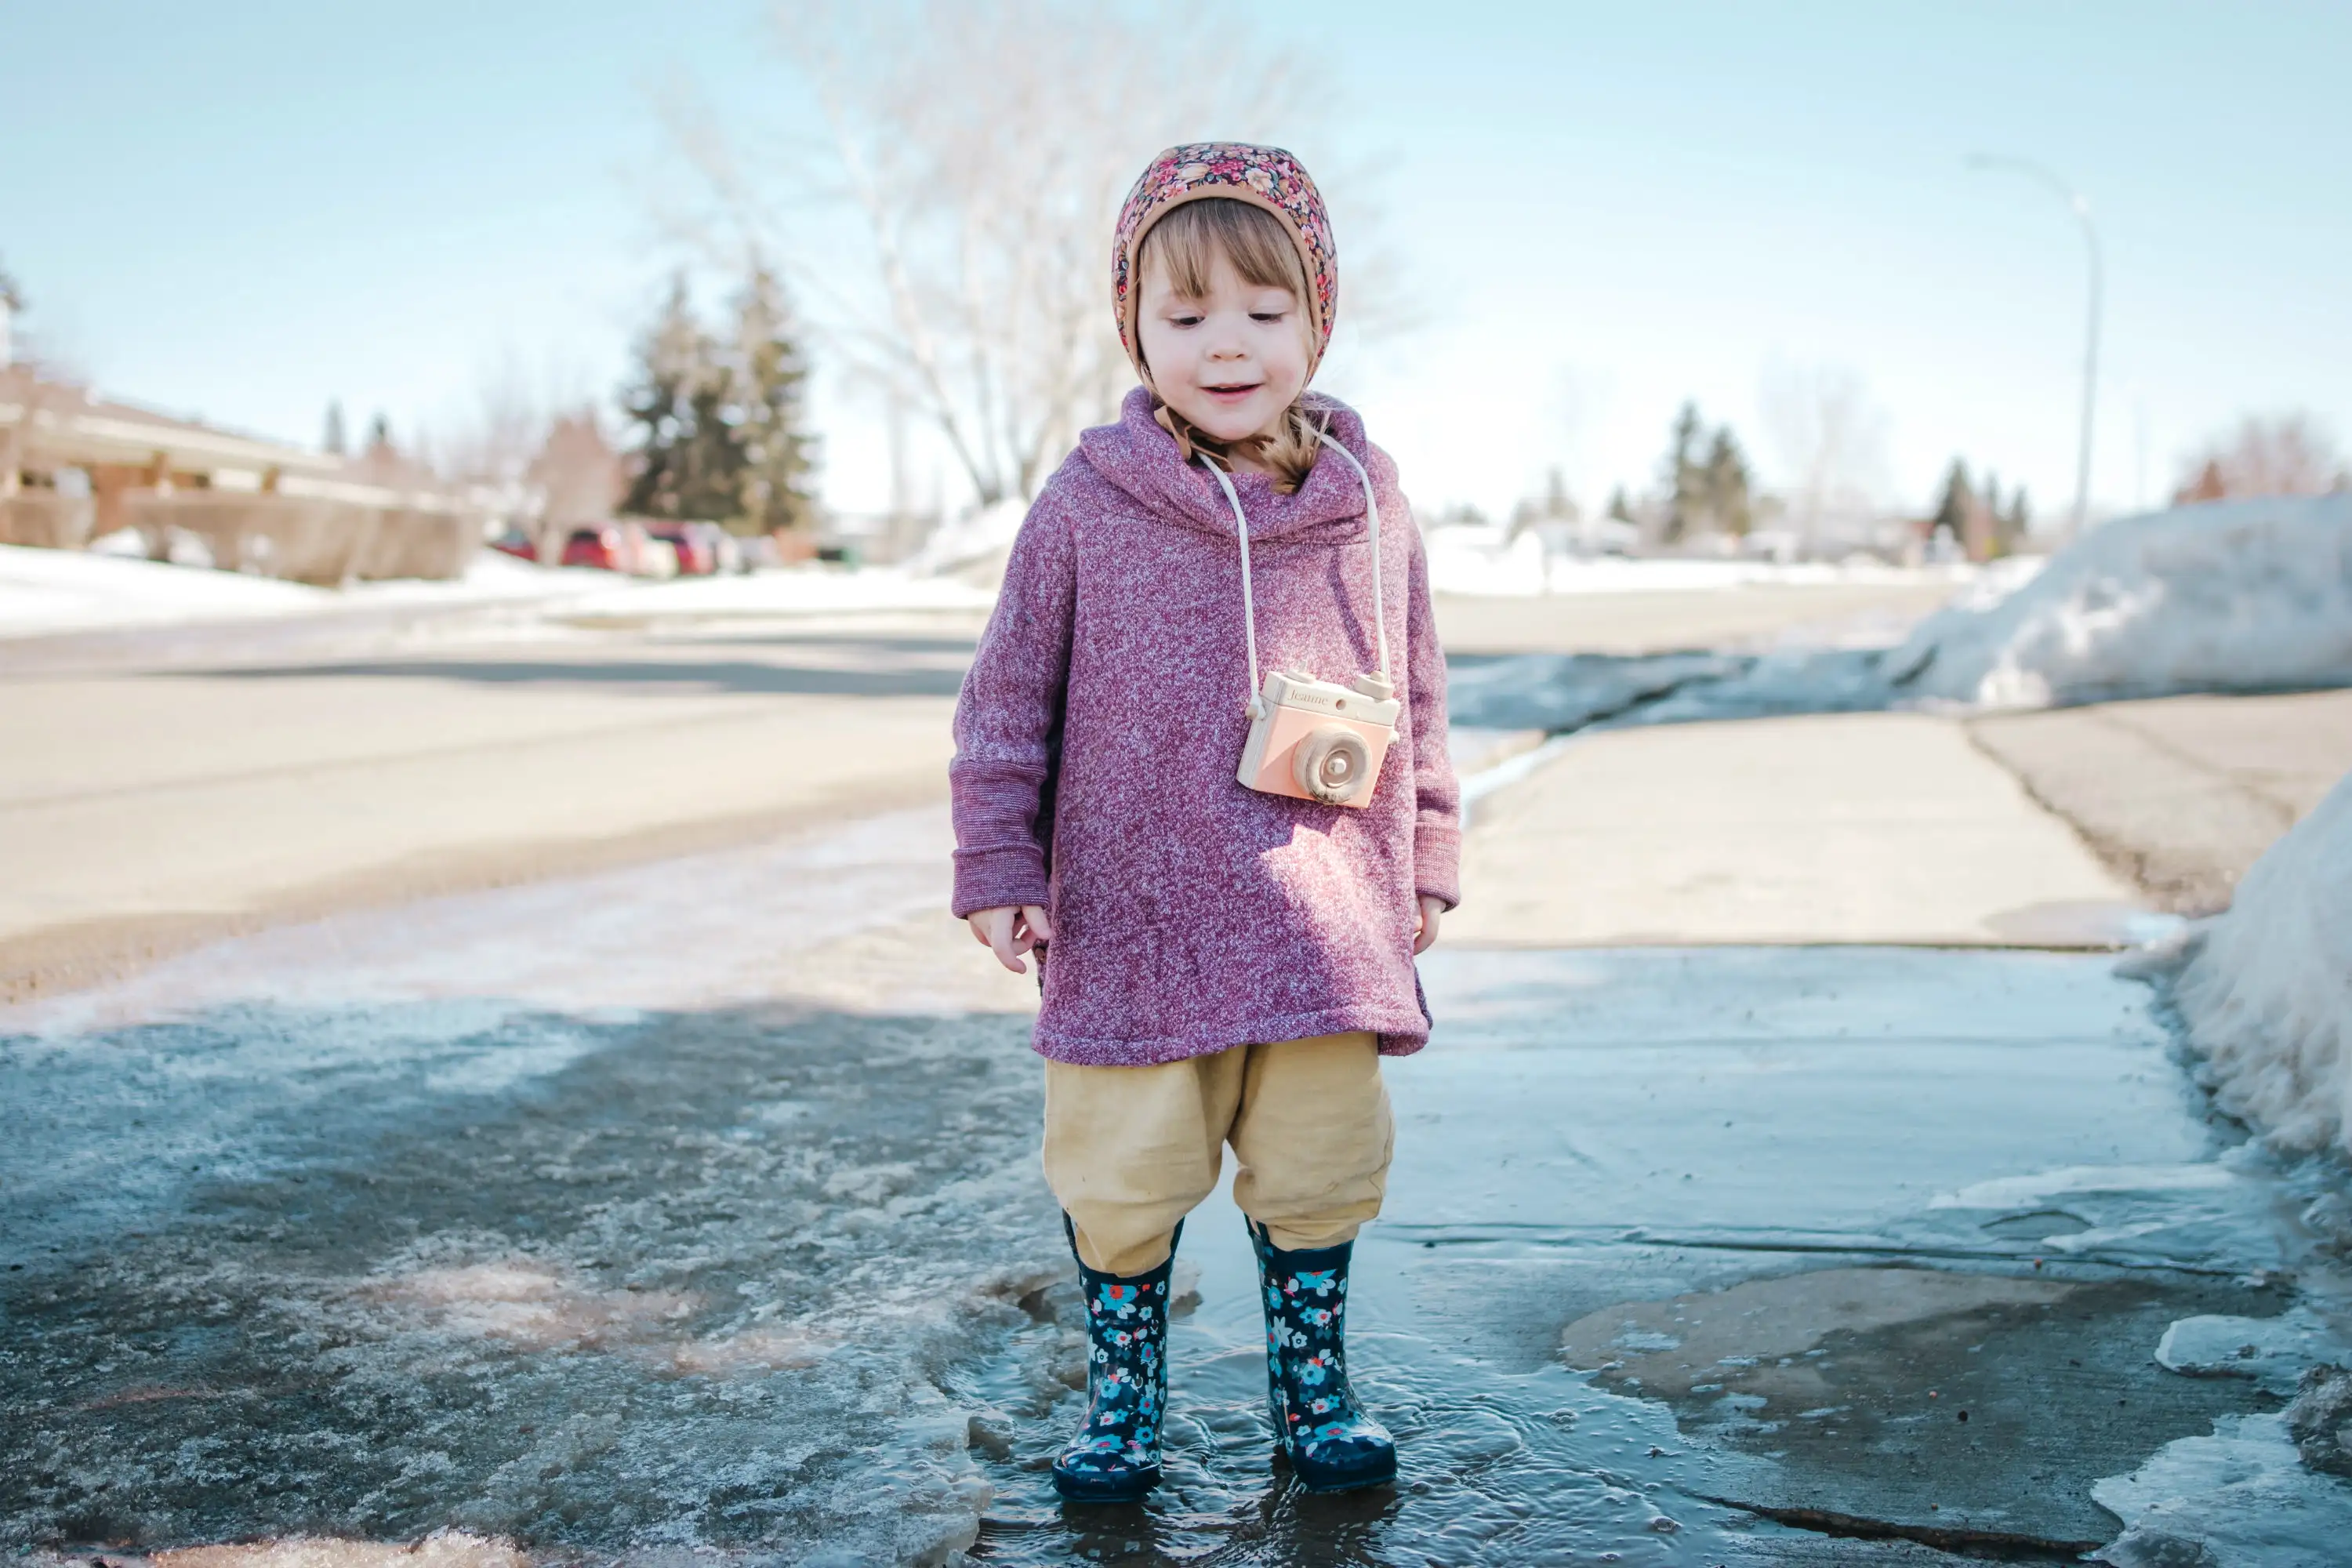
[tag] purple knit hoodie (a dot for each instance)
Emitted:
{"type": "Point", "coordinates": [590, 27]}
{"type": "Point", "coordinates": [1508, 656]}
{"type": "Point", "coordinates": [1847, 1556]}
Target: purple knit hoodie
{"type": "Point", "coordinates": [1103, 718]}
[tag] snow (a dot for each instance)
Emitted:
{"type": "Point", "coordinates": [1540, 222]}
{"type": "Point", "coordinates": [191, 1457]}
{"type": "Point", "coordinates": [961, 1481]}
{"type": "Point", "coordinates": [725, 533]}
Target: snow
{"type": "Point", "coordinates": [2249, 596]}
{"type": "Point", "coordinates": [974, 546]}
{"type": "Point", "coordinates": [44, 591]}
{"type": "Point", "coordinates": [491, 577]}
{"type": "Point", "coordinates": [48, 591]}
{"type": "Point", "coordinates": [65, 590]}
{"type": "Point", "coordinates": [2238, 596]}
{"type": "Point", "coordinates": [2264, 991]}
{"type": "Point", "coordinates": [1484, 560]}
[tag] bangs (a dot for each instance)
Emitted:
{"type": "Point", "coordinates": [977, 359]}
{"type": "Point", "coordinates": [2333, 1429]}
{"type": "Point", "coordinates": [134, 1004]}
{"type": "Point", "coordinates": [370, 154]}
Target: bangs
{"type": "Point", "coordinates": [1189, 240]}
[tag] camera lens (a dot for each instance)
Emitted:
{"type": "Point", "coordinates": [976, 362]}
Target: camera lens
{"type": "Point", "coordinates": [1331, 764]}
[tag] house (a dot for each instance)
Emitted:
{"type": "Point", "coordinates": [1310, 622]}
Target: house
{"type": "Point", "coordinates": [75, 467]}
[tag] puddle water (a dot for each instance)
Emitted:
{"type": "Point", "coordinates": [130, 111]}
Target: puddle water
{"type": "Point", "coordinates": [757, 1277]}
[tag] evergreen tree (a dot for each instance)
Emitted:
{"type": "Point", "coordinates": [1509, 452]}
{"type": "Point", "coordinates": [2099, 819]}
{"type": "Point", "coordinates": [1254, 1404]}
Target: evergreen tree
{"type": "Point", "coordinates": [1959, 499]}
{"type": "Point", "coordinates": [719, 425]}
{"type": "Point", "coordinates": [1620, 509]}
{"type": "Point", "coordinates": [334, 442]}
{"type": "Point", "coordinates": [1683, 476]}
{"type": "Point", "coordinates": [379, 433]}
{"type": "Point", "coordinates": [687, 466]}
{"type": "Point", "coordinates": [767, 379]}
{"type": "Point", "coordinates": [1725, 482]}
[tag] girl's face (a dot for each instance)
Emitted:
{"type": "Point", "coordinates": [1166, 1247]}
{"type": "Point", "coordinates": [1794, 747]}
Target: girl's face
{"type": "Point", "coordinates": [1230, 362]}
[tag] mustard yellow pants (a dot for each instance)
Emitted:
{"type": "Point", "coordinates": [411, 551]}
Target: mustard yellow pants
{"type": "Point", "coordinates": [1131, 1150]}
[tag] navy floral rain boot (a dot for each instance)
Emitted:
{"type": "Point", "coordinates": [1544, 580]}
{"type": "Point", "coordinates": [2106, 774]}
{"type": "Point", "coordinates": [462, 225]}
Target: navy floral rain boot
{"type": "Point", "coordinates": [1115, 1457]}
{"type": "Point", "coordinates": [1332, 1445]}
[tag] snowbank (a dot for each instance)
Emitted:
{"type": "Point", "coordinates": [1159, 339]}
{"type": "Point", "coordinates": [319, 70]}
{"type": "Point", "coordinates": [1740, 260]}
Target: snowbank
{"type": "Point", "coordinates": [791, 591]}
{"type": "Point", "coordinates": [2265, 990]}
{"type": "Point", "coordinates": [44, 591]}
{"type": "Point", "coordinates": [2229, 596]}
{"type": "Point", "coordinates": [68, 589]}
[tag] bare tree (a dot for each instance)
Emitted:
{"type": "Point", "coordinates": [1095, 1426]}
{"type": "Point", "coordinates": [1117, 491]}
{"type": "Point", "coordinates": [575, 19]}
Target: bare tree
{"type": "Point", "coordinates": [491, 446]}
{"type": "Point", "coordinates": [2284, 455]}
{"type": "Point", "coordinates": [577, 477]}
{"type": "Point", "coordinates": [982, 148]}
{"type": "Point", "coordinates": [1830, 437]}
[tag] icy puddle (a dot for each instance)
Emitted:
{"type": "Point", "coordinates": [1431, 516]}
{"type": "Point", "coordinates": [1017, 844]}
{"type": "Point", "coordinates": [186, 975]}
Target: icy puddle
{"type": "Point", "coordinates": [1706, 1257]}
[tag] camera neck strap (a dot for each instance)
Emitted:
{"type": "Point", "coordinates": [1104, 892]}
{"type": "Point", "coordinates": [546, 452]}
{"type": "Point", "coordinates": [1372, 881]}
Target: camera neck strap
{"type": "Point", "coordinates": [1249, 610]}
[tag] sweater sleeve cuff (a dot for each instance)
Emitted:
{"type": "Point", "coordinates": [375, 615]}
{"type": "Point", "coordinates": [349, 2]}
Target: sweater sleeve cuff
{"type": "Point", "coordinates": [1006, 877]}
{"type": "Point", "coordinates": [1437, 862]}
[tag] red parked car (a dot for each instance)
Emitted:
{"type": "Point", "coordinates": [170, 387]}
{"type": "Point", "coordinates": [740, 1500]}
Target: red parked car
{"type": "Point", "coordinates": [518, 545]}
{"type": "Point", "coordinates": [701, 546]}
{"type": "Point", "coordinates": [603, 548]}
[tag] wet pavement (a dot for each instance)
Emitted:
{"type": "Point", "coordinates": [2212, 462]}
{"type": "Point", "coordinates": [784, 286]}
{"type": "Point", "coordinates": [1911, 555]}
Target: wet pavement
{"type": "Point", "coordinates": [490, 1216]}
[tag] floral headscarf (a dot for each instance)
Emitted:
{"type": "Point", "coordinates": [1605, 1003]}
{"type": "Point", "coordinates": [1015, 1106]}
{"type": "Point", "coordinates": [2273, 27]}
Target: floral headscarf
{"type": "Point", "coordinates": [1267, 177]}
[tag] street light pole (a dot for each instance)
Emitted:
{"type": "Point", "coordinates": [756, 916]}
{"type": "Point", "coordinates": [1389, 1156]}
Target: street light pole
{"type": "Point", "coordinates": [2075, 203]}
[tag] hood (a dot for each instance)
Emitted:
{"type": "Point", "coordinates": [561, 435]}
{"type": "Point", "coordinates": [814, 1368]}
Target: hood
{"type": "Point", "coordinates": [1139, 457]}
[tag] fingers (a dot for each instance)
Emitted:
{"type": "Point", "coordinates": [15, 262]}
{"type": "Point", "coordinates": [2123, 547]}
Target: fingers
{"type": "Point", "coordinates": [1012, 932]}
{"type": "Point", "coordinates": [1008, 946]}
{"type": "Point", "coordinates": [1426, 937]}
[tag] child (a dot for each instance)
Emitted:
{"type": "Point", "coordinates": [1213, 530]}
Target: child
{"type": "Point", "coordinates": [1229, 961]}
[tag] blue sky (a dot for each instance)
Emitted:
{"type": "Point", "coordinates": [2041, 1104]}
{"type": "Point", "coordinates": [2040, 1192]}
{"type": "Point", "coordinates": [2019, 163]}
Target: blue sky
{"type": "Point", "coordinates": [244, 209]}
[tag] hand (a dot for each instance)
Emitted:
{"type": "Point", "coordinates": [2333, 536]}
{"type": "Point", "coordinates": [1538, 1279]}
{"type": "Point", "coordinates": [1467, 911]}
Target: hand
{"type": "Point", "coordinates": [1012, 932]}
{"type": "Point", "coordinates": [1424, 930]}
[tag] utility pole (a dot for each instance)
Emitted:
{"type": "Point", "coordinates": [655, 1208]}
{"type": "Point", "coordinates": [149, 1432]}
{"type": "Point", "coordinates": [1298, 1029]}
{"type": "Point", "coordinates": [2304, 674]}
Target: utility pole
{"type": "Point", "coordinates": [2044, 176]}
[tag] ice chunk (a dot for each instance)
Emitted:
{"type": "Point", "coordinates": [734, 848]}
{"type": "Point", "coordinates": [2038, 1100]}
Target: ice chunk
{"type": "Point", "coordinates": [2273, 1352]}
{"type": "Point", "coordinates": [2025, 1192]}
{"type": "Point", "coordinates": [2239, 1497]}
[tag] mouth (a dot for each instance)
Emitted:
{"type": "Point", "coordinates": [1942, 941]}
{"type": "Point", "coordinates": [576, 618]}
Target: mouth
{"type": "Point", "coordinates": [1232, 392]}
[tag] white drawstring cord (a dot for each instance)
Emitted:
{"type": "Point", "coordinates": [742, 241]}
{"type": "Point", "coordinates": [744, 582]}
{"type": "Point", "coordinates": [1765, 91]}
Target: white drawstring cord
{"type": "Point", "coordinates": [1372, 519]}
{"type": "Point", "coordinates": [1249, 610]}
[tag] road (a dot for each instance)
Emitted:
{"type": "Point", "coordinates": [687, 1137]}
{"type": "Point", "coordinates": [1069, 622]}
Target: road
{"type": "Point", "coordinates": [151, 808]}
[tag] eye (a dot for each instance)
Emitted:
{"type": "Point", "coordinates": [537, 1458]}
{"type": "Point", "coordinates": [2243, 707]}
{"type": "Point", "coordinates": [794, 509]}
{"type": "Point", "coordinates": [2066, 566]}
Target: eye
{"type": "Point", "coordinates": [1268, 315]}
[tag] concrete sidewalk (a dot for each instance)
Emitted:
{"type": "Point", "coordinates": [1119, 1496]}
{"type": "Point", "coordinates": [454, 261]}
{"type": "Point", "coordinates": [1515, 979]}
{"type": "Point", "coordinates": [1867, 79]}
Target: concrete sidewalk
{"type": "Point", "coordinates": [2179, 795]}
{"type": "Point", "coordinates": [1867, 828]}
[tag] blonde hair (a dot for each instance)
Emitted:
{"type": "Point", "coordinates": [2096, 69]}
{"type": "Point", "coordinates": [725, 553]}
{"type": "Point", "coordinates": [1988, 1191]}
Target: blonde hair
{"type": "Point", "coordinates": [1187, 242]}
